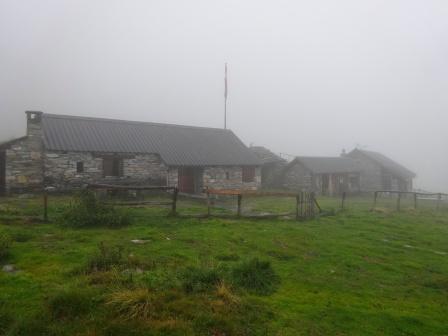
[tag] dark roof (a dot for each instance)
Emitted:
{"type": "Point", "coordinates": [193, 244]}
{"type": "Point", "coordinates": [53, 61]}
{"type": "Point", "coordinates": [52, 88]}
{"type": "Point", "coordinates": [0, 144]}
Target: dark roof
{"type": "Point", "coordinates": [386, 163]}
{"type": "Point", "coordinates": [177, 145]}
{"type": "Point", "coordinates": [265, 155]}
{"type": "Point", "coordinates": [327, 165]}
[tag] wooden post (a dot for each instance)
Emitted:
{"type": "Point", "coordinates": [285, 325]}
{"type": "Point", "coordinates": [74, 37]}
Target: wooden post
{"type": "Point", "coordinates": [415, 201]}
{"type": "Point", "coordinates": [439, 199]}
{"type": "Point", "coordinates": [343, 199]}
{"type": "Point", "coordinates": [302, 199]}
{"type": "Point", "coordinates": [297, 206]}
{"type": "Point", "coordinates": [208, 204]}
{"type": "Point", "coordinates": [240, 197]}
{"type": "Point", "coordinates": [399, 201]}
{"type": "Point", "coordinates": [174, 206]}
{"type": "Point", "coordinates": [375, 195]}
{"type": "Point", "coordinates": [45, 206]}
{"type": "Point", "coordinates": [312, 204]}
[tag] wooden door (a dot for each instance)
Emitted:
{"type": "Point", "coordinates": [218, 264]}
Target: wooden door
{"type": "Point", "coordinates": [186, 180]}
{"type": "Point", "coordinates": [2, 172]}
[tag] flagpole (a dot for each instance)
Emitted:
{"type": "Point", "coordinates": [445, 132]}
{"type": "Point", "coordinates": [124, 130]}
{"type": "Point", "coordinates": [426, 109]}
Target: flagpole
{"type": "Point", "coordinates": [225, 96]}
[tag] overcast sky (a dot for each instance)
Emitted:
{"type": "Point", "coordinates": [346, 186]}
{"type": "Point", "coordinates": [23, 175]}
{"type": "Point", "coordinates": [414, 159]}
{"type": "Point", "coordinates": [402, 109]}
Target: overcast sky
{"type": "Point", "coordinates": [305, 77]}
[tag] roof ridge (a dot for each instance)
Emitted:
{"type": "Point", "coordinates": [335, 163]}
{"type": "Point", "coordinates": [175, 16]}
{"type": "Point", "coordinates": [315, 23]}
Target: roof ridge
{"type": "Point", "coordinates": [65, 116]}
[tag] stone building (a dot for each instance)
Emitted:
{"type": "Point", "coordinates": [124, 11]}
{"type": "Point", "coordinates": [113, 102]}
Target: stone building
{"type": "Point", "coordinates": [323, 175]}
{"type": "Point", "coordinates": [68, 151]}
{"type": "Point", "coordinates": [378, 172]}
{"type": "Point", "coordinates": [272, 167]}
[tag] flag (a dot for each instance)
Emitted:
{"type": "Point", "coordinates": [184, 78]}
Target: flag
{"type": "Point", "coordinates": [225, 82]}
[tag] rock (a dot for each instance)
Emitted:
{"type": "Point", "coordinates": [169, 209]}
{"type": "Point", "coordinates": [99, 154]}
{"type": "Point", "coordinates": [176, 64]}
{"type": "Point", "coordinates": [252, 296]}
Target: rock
{"type": "Point", "coordinates": [9, 269]}
{"type": "Point", "coordinates": [139, 241]}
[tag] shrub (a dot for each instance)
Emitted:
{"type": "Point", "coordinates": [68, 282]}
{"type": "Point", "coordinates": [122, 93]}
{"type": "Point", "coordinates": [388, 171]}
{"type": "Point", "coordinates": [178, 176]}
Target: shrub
{"type": "Point", "coordinates": [132, 304]}
{"type": "Point", "coordinates": [106, 258]}
{"type": "Point", "coordinates": [69, 303]}
{"type": "Point", "coordinates": [5, 244]}
{"type": "Point", "coordinates": [87, 211]}
{"type": "Point", "coordinates": [256, 276]}
{"type": "Point", "coordinates": [200, 279]}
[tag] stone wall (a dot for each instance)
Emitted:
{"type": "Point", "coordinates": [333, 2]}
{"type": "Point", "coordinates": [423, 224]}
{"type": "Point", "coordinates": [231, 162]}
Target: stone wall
{"type": "Point", "coordinates": [229, 178]}
{"type": "Point", "coordinates": [299, 178]}
{"type": "Point", "coordinates": [371, 178]}
{"type": "Point", "coordinates": [61, 172]}
{"type": "Point", "coordinates": [24, 159]}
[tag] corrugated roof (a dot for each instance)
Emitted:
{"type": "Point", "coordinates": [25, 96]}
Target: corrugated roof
{"type": "Point", "coordinates": [387, 163]}
{"type": "Point", "coordinates": [327, 165]}
{"type": "Point", "coordinates": [177, 145]}
{"type": "Point", "coordinates": [265, 155]}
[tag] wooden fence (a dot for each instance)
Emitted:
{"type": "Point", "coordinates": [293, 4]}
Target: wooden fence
{"type": "Point", "coordinates": [414, 195]}
{"type": "Point", "coordinates": [306, 203]}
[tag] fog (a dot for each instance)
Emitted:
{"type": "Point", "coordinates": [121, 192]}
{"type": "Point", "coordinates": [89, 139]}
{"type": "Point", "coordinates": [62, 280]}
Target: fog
{"type": "Point", "coordinates": [305, 77]}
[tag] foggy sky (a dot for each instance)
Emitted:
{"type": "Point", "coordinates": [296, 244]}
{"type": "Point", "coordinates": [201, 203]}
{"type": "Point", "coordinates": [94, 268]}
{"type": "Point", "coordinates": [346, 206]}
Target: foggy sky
{"type": "Point", "coordinates": [305, 77]}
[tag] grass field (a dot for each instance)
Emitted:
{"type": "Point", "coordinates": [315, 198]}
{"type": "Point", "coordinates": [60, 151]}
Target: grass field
{"type": "Point", "coordinates": [357, 272]}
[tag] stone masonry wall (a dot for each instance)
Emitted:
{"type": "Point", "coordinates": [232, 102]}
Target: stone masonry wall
{"type": "Point", "coordinates": [60, 170]}
{"type": "Point", "coordinates": [298, 178]}
{"type": "Point", "coordinates": [216, 178]}
{"type": "Point", "coordinates": [24, 160]}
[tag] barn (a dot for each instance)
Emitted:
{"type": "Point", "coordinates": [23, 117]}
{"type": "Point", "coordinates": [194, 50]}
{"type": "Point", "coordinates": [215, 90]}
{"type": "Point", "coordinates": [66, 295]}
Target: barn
{"type": "Point", "coordinates": [379, 172]}
{"type": "Point", "coordinates": [67, 152]}
{"type": "Point", "coordinates": [323, 175]}
{"type": "Point", "coordinates": [272, 166]}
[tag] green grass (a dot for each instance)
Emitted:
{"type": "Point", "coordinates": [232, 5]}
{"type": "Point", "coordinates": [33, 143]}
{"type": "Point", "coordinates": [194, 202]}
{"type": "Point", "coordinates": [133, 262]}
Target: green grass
{"type": "Point", "coordinates": [358, 272]}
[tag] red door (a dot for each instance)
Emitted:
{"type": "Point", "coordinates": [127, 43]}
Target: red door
{"type": "Point", "coordinates": [186, 180]}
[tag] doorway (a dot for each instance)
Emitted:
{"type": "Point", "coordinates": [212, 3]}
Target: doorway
{"type": "Point", "coordinates": [190, 180]}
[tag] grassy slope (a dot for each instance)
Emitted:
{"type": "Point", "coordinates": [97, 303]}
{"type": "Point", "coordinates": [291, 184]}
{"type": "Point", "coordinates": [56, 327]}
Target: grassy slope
{"type": "Point", "coordinates": [357, 273]}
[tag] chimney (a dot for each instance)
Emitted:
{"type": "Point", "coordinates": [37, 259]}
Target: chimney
{"type": "Point", "coordinates": [343, 153]}
{"type": "Point", "coordinates": [34, 123]}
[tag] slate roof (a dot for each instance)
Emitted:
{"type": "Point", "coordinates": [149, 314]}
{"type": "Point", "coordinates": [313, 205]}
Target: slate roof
{"type": "Point", "coordinates": [177, 145]}
{"type": "Point", "coordinates": [387, 163]}
{"type": "Point", "coordinates": [265, 155]}
{"type": "Point", "coordinates": [327, 165]}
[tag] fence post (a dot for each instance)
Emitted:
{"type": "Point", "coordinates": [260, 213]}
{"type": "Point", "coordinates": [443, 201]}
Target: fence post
{"type": "Point", "coordinates": [439, 199]}
{"type": "Point", "coordinates": [415, 201]}
{"type": "Point", "coordinates": [343, 200]}
{"type": "Point", "coordinates": [375, 195]}
{"type": "Point", "coordinates": [45, 206]}
{"type": "Point", "coordinates": [174, 206]}
{"type": "Point", "coordinates": [208, 204]}
{"type": "Point", "coordinates": [398, 201]}
{"type": "Point", "coordinates": [297, 206]}
{"type": "Point", "coordinates": [240, 196]}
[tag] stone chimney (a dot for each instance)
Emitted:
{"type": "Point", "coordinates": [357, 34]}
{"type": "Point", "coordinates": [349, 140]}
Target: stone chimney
{"type": "Point", "coordinates": [34, 123]}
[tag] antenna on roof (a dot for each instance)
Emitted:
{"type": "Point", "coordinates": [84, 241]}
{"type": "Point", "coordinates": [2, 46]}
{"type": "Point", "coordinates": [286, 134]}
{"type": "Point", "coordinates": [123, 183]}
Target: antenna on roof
{"type": "Point", "coordinates": [225, 96]}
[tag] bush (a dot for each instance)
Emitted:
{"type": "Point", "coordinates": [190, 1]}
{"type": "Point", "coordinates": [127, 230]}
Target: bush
{"type": "Point", "coordinates": [87, 211]}
{"type": "Point", "coordinates": [200, 279]}
{"type": "Point", "coordinates": [256, 276]}
{"type": "Point", "coordinates": [106, 258]}
{"type": "Point", "coordinates": [67, 304]}
{"type": "Point", "coordinates": [5, 244]}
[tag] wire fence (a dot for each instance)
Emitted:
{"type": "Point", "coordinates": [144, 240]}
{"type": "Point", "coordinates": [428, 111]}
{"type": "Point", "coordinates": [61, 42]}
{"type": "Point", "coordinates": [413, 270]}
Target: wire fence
{"type": "Point", "coordinates": [164, 201]}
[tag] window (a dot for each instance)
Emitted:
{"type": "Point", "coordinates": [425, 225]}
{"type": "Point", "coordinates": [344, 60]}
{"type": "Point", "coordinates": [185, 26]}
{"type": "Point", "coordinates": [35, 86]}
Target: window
{"type": "Point", "coordinates": [80, 167]}
{"type": "Point", "coordinates": [112, 167]}
{"type": "Point", "coordinates": [248, 174]}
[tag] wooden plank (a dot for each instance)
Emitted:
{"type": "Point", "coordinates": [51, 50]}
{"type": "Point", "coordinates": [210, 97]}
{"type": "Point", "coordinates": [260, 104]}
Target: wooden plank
{"type": "Point", "coordinates": [127, 187]}
{"type": "Point", "coordinates": [235, 192]}
{"type": "Point", "coordinates": [138, 203]}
